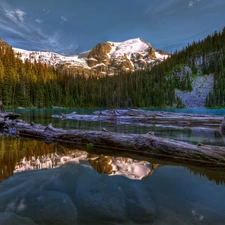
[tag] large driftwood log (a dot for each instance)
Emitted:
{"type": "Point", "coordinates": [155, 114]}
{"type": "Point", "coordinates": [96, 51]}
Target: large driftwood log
{"type": "Point", "coordinates": [148, 118]}
{"type": "Point", "coordinates": [145, 144]}
{"type": "Point", "coordinates": [9, 115]}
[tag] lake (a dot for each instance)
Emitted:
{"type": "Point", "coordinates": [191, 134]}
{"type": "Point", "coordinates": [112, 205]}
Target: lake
{"type": "Point", "coordinates": [54, 184]}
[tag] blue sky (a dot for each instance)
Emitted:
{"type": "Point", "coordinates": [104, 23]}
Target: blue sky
{"type": "Point", "coordinates": [72, 26]}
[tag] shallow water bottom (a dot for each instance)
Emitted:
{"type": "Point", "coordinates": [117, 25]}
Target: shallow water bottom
{"type": "Point", "coordinates": [77, 194]}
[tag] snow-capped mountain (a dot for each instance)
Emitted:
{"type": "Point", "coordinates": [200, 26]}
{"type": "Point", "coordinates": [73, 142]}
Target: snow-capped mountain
{"type": "Point", "coordinates": [105, 58]}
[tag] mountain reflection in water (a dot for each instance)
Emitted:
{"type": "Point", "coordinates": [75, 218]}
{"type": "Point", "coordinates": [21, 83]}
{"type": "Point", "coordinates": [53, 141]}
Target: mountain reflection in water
{"type": "Point", "coordinates": [54, 184]}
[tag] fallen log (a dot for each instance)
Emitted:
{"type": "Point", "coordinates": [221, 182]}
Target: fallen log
{"type": "Point", "coordinates": [142, 144]}
{"type": "Point", "coordinates": [148, 118]}
{"type": "Point", "coordinates": [9, 115]}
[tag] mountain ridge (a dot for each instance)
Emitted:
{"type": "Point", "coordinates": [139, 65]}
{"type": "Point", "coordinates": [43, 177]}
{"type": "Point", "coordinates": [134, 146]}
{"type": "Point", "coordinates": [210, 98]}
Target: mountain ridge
{"type": "Point", "coordinates": [105, 58]}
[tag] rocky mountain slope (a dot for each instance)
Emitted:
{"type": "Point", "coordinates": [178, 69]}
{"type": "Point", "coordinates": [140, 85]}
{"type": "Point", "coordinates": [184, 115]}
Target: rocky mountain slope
{"type": "Point", "coordinates": [202, 86]}
{"type": "Point", "coordinates": [105, 58]}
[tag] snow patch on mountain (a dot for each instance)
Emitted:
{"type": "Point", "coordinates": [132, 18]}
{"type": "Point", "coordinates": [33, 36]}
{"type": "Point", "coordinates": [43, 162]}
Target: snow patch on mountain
{"type": "Point", "coordinates": [50, 58]}
{"type": "Point", "coordinates": [160, 56]}
{"type": "Point", "coordinates": [128, 47]}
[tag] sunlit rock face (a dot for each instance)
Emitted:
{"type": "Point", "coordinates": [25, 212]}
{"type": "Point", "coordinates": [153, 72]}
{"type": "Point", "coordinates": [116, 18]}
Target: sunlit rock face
{"type": "Point", "coordinates": [124, 56]}
{"type": "Point", "coordinates": [99, 54]}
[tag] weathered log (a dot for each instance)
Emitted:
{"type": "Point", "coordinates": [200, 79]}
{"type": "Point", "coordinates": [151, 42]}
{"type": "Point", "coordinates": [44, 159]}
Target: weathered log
{"type": "Point", "coordinates": [148, 118]}
{"type": "Point", "coordinates": [9, 115]}
{"type": "Point", "coordinates": [145, 144]}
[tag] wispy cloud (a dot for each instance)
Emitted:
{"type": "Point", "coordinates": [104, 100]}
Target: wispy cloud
{"type": "Point", "coordinates": [191, 4]}
{"type": "Point", "coordinates": [15, 25]}
{"type": "Point", "coordinates": [20, 14]}
{"type": "Point", "coordinates": [15, 14]}
{"type": "Point", "coordinates": [46, 11]}
{"type": "Point", "coordinates": [38, 21]}
{"type": "Point", "coordinates": [63, 19]}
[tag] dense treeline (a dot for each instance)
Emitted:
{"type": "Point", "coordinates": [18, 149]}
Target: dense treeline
{"type": "Point", "coordinates": [23, 84]}
{"type": "Point", "coordinates": [39, 85]}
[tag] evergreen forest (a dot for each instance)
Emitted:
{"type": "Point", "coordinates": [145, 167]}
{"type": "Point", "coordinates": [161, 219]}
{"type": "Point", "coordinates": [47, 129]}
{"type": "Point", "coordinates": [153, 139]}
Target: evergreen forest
{"type": "Point", "coordinates": [38, 85]}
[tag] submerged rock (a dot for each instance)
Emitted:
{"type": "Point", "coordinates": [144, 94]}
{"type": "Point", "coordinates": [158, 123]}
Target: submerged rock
{"type": "Point", "coordinates": [49, 207]}
{"type": "Point", "coordinates": [9, 218]}
{"type": "Point", "coordinates": [75, 194]}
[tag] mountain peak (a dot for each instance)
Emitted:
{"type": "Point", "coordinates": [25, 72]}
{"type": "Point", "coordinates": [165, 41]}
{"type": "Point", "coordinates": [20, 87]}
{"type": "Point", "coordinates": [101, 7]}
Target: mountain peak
{"type": "Point", "coordinates": [125, 56]}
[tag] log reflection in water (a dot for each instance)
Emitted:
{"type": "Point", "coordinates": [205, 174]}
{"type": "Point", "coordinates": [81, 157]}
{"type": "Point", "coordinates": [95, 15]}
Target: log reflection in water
{"type": "Point", "coordinates": [17, 155]}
